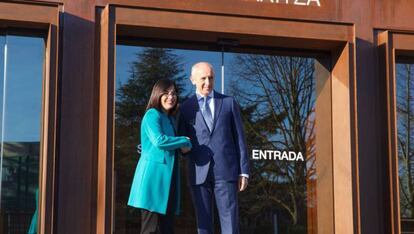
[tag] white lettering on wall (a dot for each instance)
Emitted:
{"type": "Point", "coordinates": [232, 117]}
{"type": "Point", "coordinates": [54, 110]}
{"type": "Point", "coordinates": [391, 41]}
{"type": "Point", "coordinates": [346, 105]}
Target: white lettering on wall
{"type": "Point", "coordinates": [277, 155]}
{"type": "Point", "coordinates": [316, 1]}
{"type": "Point", "coordinates": [300, 2]}
{"type": "Point", "coordinates": [295, 2]}
{"type": "Point", "coordinates": [139, 148]}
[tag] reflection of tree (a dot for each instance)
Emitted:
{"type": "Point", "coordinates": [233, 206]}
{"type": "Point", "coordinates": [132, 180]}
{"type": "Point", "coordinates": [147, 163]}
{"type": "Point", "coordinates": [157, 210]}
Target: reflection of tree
{"type": "Point", "coordinates": [277, 100]}
{"type": "Point", "coordinates": [151, 64]}
{"type": "Point", "coordinates": [405, 112]}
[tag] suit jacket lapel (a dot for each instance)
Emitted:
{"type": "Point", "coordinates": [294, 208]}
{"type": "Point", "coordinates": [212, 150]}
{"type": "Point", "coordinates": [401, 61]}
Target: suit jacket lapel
{"type": "Point", "coordinates": [198, 115]}
{"type": "Point", "coordinates": [218, 100]}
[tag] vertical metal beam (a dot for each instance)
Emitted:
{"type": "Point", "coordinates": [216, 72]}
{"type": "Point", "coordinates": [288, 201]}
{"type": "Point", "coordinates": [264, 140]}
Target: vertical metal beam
{"type": "Point", "coordinates": [106, 118]}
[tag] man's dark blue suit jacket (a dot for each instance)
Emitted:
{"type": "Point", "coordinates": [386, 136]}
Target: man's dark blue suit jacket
{"type": "Point", "coordinates": [224, 148]}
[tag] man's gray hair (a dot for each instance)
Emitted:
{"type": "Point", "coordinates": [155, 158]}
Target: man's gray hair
{"type": "Point", "coordinates": [195, 67]}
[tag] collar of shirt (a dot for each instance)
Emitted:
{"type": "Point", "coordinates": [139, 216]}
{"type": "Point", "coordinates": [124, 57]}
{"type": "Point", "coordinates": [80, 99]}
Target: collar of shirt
{"type": "Point", "coordinates": [211, 103]}
{"type": "Point", "coordinates": [199, 96]}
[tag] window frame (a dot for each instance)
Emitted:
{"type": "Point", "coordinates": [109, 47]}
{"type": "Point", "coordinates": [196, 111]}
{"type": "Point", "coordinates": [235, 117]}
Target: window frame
{"type": "Point", "coordinates": [28, 19]}
{"type": "Point", "coordinates": [391, 45]}
{"type": "Point", "coordinates": [337, 168]}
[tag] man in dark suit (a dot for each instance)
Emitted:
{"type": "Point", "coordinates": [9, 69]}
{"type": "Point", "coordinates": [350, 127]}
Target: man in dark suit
{"type": "Point", "coordinates": [218, 164]}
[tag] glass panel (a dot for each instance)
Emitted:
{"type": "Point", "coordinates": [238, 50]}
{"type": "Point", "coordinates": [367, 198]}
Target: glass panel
{"type": "Point", "coordinates": [21, 106]}
{"type": "Point", "coordinates": [277, 96]}
{"type": "Point", "coordinates": [405, 130]}
{"type": "Point", "coordinates": [137, 70]}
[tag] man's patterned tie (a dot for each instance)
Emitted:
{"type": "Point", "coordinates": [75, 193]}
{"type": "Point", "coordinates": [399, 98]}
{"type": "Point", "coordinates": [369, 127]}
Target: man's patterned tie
{"type": "Point", "coordinates": [208, 117]}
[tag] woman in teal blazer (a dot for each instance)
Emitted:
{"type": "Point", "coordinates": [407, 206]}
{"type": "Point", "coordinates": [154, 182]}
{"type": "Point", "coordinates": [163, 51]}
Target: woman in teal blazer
{"type": "Point", "coordinates": [156, 184]}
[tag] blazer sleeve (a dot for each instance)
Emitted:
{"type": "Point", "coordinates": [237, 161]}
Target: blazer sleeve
{"type": "Point", "coordinates": [152, 127]}
{"type": "Point", "coordinates": [182, 125]}
{"type": "Point", "coordinates": [182, 130]}
{"type": "Point", "coordinates": [238, 134]}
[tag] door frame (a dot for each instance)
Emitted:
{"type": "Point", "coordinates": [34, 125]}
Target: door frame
{"type": "Point", "coordinates": [337, 162]}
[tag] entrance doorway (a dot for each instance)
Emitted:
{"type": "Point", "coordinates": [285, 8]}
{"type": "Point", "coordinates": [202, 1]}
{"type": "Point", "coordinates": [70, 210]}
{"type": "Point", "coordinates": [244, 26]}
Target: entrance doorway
{"type": "Point", "coordinates": [277, 94]}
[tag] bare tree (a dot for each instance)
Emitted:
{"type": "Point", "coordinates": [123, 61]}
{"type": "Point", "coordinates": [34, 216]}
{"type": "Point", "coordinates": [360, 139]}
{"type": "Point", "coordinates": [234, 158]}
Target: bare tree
{"type": "Point", "coordinates": [277, 97]}
{"type": "Point", "coordinates": [405, 115]}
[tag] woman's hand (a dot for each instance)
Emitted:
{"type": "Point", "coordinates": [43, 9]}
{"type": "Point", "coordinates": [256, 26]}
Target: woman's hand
{"type": "Point", "coordinates": [185, 150]}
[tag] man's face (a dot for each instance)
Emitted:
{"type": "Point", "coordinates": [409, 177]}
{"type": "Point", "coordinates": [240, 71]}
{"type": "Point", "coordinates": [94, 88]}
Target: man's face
{"type": "Point", "coordinates": [203, 79]}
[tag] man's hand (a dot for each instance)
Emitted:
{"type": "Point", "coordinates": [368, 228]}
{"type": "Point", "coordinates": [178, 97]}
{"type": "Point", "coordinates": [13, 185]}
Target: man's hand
{"type": "Point", "coordinates": [243, 181]}
{"type": "Point", "coordinates": [185, 150]}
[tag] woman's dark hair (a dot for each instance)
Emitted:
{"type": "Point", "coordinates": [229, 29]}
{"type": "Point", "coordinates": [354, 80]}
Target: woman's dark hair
{"type": "Point", "coordinates": [160, 88]}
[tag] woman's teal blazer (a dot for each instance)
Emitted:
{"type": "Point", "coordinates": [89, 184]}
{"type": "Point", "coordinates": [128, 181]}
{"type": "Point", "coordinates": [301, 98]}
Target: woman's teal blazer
{"type": "Point", "coordinates": [151, 184]}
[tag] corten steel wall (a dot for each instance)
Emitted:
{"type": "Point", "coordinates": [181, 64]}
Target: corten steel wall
{"type": "Point", "coordinates": [75, 206]}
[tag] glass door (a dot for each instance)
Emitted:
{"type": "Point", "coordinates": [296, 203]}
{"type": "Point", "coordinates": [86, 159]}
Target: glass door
{"type": "Point", "coordinates": [137, 70]}
{"type": "Point", "coordinates": [405, 139]}
{"type": "Point", "coordinates": [21, 76]}
{"type": "Point", "coordinates": [277, 96]}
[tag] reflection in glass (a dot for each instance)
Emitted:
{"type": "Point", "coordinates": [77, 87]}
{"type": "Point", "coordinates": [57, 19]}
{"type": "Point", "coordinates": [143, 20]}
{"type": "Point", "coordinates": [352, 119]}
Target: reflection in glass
{"type": "Point", "coordinates": [138, 68]}
{"type": "Point", "coordinates": [277, 98]}
{"type": "Point", "coordinates": [20, 110]}
{"type": "Point", "coordinates": [146, 67]}
{"type": "Point", "coordinates": [405, 127]}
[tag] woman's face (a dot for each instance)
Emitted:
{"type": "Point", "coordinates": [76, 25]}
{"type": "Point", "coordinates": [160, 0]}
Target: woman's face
{"type": "Point", "coordinates": [169, 99]}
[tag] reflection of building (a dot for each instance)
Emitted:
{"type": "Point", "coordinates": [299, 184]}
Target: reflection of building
{"type": "Point", "coordinates": [355, 50]}
{"type": "Point", "coordinates": [18, 185]}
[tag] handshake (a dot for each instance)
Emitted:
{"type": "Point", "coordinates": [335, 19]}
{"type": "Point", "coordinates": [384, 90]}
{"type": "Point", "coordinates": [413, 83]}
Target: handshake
{"type": "Point", "coordinates": [185, 150]}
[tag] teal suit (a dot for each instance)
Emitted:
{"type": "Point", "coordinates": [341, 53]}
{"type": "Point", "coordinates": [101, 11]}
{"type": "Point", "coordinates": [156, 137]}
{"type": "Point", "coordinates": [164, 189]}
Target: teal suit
{"type": "Point", "coordinates": [151, 184]}
{"type": "Point", "coordinates": [33, 223]}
